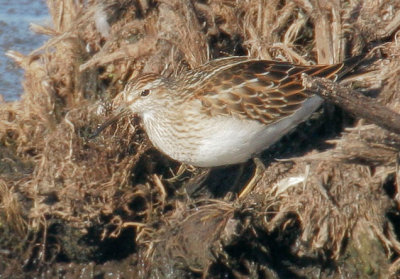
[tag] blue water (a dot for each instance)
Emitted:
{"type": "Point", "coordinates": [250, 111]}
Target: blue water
{"type": "Point", "coordinates": [15, 16]}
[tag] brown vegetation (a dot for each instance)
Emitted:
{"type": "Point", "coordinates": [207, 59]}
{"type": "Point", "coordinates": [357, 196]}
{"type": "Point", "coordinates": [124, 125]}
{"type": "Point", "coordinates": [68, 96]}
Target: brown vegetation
{"type": "Point", "coordinates": [81, 208]}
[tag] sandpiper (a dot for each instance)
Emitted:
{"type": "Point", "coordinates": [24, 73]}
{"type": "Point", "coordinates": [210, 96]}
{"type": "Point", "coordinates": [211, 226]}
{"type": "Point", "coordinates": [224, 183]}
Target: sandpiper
{"type": "Point", "coordinates": [225, 111]}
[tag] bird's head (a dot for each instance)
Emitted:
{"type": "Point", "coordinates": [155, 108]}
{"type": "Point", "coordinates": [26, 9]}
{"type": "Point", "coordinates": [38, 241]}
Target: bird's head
{"type": "Point", "coordinates": [141, 96]}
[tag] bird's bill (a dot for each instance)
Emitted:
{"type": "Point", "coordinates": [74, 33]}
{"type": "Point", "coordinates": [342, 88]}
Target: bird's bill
{"type": "Point", "coordinates": [120, 112]}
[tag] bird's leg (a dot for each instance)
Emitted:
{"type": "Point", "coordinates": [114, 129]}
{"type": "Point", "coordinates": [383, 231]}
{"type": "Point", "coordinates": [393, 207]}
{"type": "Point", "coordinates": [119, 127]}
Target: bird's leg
{"type": "Point", "coordinates": [196, 178]}
{"type": "Point", "coordinates": [260, 168]}
{"type": "Point", "coordinates": [196, 183]}
{"type": "Point", "coordinates": [180, 173]}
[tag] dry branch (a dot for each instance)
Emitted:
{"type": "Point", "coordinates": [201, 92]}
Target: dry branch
{"type": "Point", "coordinates": [354, 102]}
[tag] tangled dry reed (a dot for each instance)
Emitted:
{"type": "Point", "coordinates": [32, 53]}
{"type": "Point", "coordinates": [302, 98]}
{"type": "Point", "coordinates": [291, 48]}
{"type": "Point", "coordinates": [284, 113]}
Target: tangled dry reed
{"type": "Point", "coordinates": [68, 201]}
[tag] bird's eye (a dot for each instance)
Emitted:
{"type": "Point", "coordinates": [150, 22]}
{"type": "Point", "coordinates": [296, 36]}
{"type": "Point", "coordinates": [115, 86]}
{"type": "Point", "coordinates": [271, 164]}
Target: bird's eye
{"type": "Point", "coordinates": [145, 93]}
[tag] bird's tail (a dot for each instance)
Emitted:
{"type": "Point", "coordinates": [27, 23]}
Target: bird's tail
{"type": "Point", "coordinates": [334, 71]}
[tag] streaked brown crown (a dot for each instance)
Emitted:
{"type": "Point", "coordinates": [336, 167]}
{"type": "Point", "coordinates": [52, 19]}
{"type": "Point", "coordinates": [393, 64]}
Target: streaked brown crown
{"type": "Point", "coordinates": [258, 89]}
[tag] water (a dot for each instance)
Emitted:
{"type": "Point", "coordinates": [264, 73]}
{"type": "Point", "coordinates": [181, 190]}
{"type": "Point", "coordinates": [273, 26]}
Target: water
{"type": "Point", "coordinates": [15, 16]}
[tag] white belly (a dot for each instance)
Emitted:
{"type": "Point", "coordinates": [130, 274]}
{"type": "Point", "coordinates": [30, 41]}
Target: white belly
{"type": "Point", "coordinates": [223, 140]}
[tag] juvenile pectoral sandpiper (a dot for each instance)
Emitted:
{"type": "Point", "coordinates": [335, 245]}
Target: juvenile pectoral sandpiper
{"type": "Point", "coordinates": [223, 112]}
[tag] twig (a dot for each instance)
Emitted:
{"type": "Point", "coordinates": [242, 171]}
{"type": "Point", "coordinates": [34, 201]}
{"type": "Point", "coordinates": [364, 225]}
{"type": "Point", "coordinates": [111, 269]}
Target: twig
{"type": "Point", "coordinates": [354, 102]}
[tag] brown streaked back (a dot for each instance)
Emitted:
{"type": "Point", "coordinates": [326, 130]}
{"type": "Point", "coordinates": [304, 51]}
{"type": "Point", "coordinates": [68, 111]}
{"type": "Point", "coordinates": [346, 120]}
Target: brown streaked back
{"type": "Point", "coordinates": [262, 90]}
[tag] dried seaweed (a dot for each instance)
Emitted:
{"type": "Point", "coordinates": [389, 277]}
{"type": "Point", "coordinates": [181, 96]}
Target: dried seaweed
{"type": "Point", "coordinates": [117, 205]}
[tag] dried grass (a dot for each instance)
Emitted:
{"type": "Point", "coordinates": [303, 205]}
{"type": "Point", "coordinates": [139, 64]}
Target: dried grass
{"type": "Point", "coordinates": [325, 208]}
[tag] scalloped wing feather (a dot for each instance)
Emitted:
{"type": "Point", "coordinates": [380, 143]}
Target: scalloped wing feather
{"type": "Point", "coordinates": [262, 90]}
